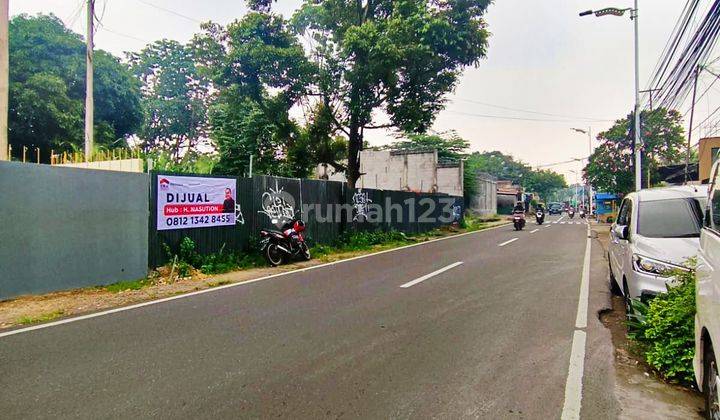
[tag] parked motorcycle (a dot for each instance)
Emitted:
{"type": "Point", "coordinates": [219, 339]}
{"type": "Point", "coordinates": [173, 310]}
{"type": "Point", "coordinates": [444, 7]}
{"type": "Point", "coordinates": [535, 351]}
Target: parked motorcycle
{"type": "Point", "coordinates": [571, 212]}
{"type": "Point", "coordinates": [519, 220]}
{"type": "Point", "coordinates": [280, 246]}
{"type": "Point", "coordinates": [539, 217]}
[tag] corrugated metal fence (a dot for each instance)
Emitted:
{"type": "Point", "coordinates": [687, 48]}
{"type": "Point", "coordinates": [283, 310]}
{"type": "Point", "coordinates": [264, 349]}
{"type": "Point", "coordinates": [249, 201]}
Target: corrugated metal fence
{"type": "Point", "coordinates": [329, 208]}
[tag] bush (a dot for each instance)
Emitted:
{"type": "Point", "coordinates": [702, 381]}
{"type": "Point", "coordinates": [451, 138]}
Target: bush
{"type": "Point", "coordinates": [665, 329]}
{"type": "Point", "coordinates": [363, 240]}
{"type": "Point", "coordinates": [217, 263]}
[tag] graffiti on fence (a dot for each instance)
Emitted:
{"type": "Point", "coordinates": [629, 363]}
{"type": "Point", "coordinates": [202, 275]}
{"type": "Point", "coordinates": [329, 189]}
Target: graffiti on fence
{"type": "Point", "coordinates": [361, 204]}
{"type": "Point", "coordinates": [278, 205]}
{"type": "Point", "coordinates": [457, 213]}
{"type": "Point", "coordinates": [239, 218]}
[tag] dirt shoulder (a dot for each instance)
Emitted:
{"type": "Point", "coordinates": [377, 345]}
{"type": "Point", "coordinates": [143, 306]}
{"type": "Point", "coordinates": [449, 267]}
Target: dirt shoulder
{"type": "Point", "coordinates": [638, 390]}
{"type": "Point", "coordinates": [30, 310]}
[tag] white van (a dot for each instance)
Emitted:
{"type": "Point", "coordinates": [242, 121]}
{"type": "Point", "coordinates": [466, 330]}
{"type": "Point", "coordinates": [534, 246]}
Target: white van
{"type": "Point", "coordinates": [707, 317]}
{"type": "Point", "coordinates": [657, 231]}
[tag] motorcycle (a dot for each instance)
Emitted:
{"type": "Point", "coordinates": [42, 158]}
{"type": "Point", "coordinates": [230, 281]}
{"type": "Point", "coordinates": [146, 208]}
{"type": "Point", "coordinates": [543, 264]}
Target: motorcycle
{"type": "Point", "coordinates": [280, 246]}
{"type": "Point", "coordinates": [582, 214]}
{"type": "Point", "coordinates": [539, 217]}
{"type": "Point", "coordinates": [519, 220]}
{"type": "Point", "coordinates": [571, 213]}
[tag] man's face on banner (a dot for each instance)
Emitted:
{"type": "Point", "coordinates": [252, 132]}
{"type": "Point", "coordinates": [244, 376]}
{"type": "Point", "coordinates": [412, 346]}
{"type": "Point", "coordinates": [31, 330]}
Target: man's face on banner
{"type": "Point", "coordinates": [228, 193]}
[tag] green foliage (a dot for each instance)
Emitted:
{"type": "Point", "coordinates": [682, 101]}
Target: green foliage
{"type": "Point", "coordinates": [191, 162]}
{"type": "Point", "coordinates": [47, 89]}
{"type": "Point", "coordinates": [260, 71]}
{"type": "Point", "coordinates": [450, 146]}
{"type": "Point", "coordinates": [175, 97]}
{"type": "Point", "coordinates": [398, 57]}
{"type": "Point", "coordinates": [128, 285]}
{"type": "Point", "coordinates": [217, 263]}
{"type": "Point", "coordinates": [665, 328]}
{"type": "Point", "coordinates": [353, 240]}
{"type": "Point", "coordinates": [502, 166]}
{"type": "Point", "coordinates": [611, 166]}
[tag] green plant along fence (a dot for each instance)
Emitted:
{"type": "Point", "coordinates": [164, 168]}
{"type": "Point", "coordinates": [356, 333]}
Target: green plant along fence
{"type": "Point", "coordinates": [328, 208]}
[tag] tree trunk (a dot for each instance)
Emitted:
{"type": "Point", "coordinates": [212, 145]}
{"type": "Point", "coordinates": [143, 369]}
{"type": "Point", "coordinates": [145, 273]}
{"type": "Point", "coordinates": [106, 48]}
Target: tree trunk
{"type": "Point", "coordinates": [354, 143]}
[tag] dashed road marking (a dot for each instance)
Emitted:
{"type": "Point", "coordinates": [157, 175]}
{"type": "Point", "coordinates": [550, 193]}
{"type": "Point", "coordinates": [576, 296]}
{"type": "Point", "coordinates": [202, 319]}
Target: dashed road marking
{"type": "Point", "coordinates": [534, 230]}
{"type": "Point", "coordinates": [508, 242]}
{"type": "Point", "coordinates": [431, 275]}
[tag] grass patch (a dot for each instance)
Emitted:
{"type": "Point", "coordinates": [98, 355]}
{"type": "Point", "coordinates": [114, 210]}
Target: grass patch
{"type": "Point", "coordinates": [27, 320]}
{"type": "Point", "coordinates": [128, 285]}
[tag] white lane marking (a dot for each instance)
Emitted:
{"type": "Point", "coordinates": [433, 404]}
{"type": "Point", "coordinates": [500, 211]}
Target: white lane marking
{"type": "Point", "coordinates": [547, 226]}
{"type": "Point", "coordinates": [508, 242]}
{"type": "Point", "coordinates": [581, 320]}
{"type": "Point", "coordinates": [560, 219]}
{"type": "Point", "coordinates": [534, 230]}
{"type": "Point", "coordinates": [431, 275]}
{"type": "Point", "coordinates": [562, 223]}
{"type": "Point", "coordinates": [227, 286]}
{"type": "Point", "coordinates": [573, 385]}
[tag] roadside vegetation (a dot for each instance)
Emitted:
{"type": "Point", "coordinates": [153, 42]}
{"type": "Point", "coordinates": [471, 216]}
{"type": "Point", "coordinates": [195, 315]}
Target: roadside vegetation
{"type": "Point", "coordinates": [664, 330]}
{"type": "Point", "coordinates": [29, 320]}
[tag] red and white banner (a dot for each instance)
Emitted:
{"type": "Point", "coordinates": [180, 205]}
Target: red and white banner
{"type": "Point", "coordinates": [191, 202]}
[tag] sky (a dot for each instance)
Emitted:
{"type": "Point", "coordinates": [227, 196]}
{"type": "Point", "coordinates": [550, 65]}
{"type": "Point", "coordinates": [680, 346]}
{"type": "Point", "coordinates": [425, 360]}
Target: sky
{"type": "Point", "coordinates": [542, 58]}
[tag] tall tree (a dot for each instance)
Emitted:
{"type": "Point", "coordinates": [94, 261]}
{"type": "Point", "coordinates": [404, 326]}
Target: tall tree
{"type": "Point", "coordinates": [261, 72]}
{"type": "Point", "coordinates": [393, 57]}
{"type": "Point", "coordinates": [611, 166]}
{"type": "Point", "coordinates": [175, 97]}
{"type": "Point", "coordinates": [47, 89]}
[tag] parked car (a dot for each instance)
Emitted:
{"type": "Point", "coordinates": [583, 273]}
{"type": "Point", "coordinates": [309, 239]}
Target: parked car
{"type": "Point", "coordinates": [555, 208]}
{"type": "Point", "coordinates": [707, 316]}
{"type": "Point", "coordinates": [656, 232]}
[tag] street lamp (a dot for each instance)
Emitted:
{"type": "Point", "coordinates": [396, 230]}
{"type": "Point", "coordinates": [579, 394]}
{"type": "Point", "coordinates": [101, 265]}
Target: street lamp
{"type": "Point", "coordinates": [590, 191]}
{"type": "Point", "coordinates": [612, 11]}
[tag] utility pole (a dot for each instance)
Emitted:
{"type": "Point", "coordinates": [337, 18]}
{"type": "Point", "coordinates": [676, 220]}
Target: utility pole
{"type": "Point", "coordinates": [89, 102]}
{"type": "Point", "coordinates": [638, 139]}
{"type": "Point", "coordinates": [690, 130]}
{"type": "Point", "coordinates": [650, 91]}
{"type": "Point", "coordinates": [4, 78]}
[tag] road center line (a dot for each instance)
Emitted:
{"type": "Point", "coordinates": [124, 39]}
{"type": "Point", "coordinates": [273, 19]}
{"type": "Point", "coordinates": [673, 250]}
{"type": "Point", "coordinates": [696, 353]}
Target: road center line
{"type": "Point", "coordinates": [508, 242]}
{"type": "Point", "coordinates": [534, 230]}
{"type": "Point", "coordinates": [433, 274]}
{"type": "Point", "coordinates": [573, 385]}
{"type": "Point", "coordinates": [547, 226]}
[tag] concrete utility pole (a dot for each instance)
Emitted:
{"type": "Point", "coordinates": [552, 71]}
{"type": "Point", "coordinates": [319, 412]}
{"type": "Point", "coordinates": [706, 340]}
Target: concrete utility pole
{"type": "Point", "coordinates": [89, 102]}
{"type": "Point", "coordinates": [690, 129]}
{"type": "Point", "coordinates": [4, 77]}
{"type": "Point", "coordinates": [638, 138]}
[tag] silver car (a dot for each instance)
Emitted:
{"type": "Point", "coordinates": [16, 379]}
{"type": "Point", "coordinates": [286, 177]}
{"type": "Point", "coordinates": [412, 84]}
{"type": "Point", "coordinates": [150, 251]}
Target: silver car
{"type": "Point", "coordinates": [656, 232]}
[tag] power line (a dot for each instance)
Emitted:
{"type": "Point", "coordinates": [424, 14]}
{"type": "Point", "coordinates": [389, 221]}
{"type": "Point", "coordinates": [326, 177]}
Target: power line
{"type": "Point", "coordinates": [503, 117]}
{"type": "Point", "coordinates": [535, 112]}
{"type": "Point", "coordinates": [164, 9]}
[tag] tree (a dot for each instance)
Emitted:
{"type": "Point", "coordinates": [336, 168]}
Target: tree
{"type": "Point", "coordinates": [175, 97]}
{"type": "Point", "coordinates": [611, 166]}
{"type": "Point", "coordinates": [499, 165]}
{"type": "Point", "coordinates": [47, 89]}
{"type": "Point", "coordinates": [260, 71]}
{"type": "Point", "coordinates": [397, 57]}
{"type": "Point", "coordinates": [450, 147]}
{"type": "Point", "coordinates": [544, 182]}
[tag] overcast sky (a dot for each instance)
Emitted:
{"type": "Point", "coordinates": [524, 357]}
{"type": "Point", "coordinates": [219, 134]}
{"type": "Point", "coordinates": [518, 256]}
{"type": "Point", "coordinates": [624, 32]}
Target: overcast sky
{"type": "Point", "coordinates": [542, 58]}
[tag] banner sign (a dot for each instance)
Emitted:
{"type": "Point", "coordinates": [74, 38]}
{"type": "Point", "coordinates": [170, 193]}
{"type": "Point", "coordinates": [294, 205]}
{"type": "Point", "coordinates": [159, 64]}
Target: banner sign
{"type": "Point", "coordinates": [192, 202]}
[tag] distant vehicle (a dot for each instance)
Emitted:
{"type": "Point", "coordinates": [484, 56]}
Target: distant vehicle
{"type": "Point", "coordinates": [571, 212]}
{"type": "Point", "coordinates": [656, 231]}
{"type": "Point", "coordinates": [539, 217]}
{"type": "Point", "coordinates": [555, 208]}
{"type": "Point", "coordinates": [707, 316]}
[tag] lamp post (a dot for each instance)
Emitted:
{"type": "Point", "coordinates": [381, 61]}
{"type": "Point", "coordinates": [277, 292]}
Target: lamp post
{"type": "Point", "coordinates": [590, 191]}
{"type": "Point", "coordinates": [612, 11]}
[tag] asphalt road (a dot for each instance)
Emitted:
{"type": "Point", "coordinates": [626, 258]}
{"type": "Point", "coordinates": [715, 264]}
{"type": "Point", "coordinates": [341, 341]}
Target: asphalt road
{"type": "Point", "coordinates": [488, 338]}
